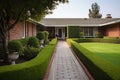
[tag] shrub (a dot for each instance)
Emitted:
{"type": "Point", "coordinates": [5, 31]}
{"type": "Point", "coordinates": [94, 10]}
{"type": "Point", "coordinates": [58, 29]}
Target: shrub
{"type": "Point", "coordinates": [30, 52]}
{"type": "Point", "coordinates": [90, 60]}
{"type": "Point", "coordinates": [81, 34]}
{"type": "Point", "coordinates": [41, 35]}
{"type": "Point", "coordinates": [33, 42]}
{"type": "Point", "coordinates": [14, 46]}
{"type": "Point", "coordinates": [24, 41]}
{"type": "Point", "coordinates": [73, 31]}
{"type": "Point", "coordinates": [46, 37]}
{"type": "Point", "coordinates": [31, 70]}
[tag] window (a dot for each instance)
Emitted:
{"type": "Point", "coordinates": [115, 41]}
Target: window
{"type": "Point", "coordinates": [87, 31]}
{"type": "Point", "coordinates": [90, 31]}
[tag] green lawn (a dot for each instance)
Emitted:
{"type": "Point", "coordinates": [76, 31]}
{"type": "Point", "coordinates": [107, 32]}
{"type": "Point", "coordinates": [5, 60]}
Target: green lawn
{"type": "Point", "coordinates": [109, 54]}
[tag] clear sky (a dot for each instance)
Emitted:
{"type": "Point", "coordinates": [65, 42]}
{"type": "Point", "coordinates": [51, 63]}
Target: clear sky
{"type": "Point", "coordinates": [80, 9]}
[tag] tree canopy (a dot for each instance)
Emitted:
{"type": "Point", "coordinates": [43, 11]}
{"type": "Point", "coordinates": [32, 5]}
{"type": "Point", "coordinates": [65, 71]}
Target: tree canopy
{"type": "Point", "coordinates": [94, 11]}
{"type": "Point", "coordinates": [12, 11]}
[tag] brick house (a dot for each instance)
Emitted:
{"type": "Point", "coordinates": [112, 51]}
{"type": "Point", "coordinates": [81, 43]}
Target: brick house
{"type": "Point", "coordinates": [89, 27]}
{"type": "Point", "coordinates": [23, 30]}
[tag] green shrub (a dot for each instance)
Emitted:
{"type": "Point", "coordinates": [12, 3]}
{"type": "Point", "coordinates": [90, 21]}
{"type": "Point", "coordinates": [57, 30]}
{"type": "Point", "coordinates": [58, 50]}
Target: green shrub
{"type": "Point", "coordinates": [31, 70]}
{"type": "Point", "coordinates": [14, 46]}
{"type": "Point", "coordinates": [40, 35]}
{"type": "Point", "coordinates": [81, 34]}
{"type": "Point", "coordinates": [33, 42]}
{"type": "Point", "coordinates": [102, 40]}
{"type": "Point", "coordinates": [30, 52]}
{"type": "Point", "coordinates": [24, 41]}
{"type": "Point", "coordinates": [90, 60]}
{"type": "Point", "coordinates": [73, 31]}
{"type": "Point", "coordinates": [46, 37]}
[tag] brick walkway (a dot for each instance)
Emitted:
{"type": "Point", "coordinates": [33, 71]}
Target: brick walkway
{"type": "Point", "coordinates": [65, 66]}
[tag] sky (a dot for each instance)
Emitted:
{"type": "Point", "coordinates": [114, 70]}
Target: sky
{"type": "Point", "coordinates": [80, 9]}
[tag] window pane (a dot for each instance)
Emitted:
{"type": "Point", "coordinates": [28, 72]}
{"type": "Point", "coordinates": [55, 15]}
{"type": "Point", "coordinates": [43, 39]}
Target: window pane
{"type": "Point", "coordinates": [85, 31]}
{"type": "Point", "coordinates": [90, 31]}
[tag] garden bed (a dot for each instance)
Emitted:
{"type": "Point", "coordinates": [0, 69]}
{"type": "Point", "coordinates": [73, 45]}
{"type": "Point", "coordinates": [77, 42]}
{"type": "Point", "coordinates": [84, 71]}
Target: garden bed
{"type": "Point", "coordinates": [30, 70]}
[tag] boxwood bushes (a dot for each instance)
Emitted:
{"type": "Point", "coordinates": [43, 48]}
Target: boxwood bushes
{"type": "Point", "coordinates": [102, 40]}
{"type": "Point", "coordinates": [91, 61]}
{"type": "Point", "coordinates": [30, 70]}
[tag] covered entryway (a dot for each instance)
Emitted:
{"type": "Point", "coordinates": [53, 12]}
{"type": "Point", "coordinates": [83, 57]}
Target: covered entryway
{"type": "Point", "coordinates": [60, 32]}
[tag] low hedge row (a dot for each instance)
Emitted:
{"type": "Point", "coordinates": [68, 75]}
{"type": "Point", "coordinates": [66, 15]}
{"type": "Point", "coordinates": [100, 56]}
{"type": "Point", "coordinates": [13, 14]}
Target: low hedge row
{"type": "Point", "coordinates": [104, 40]}
{"type": "Point", "coordinates": [30, 70]}
{"type": "Point", "coordinates": [90, 61]}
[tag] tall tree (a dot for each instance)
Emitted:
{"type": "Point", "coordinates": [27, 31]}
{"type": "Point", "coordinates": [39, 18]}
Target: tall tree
{"type": "Point", "coordinates": [94, 11]}
{"type": "Point", "coordinates": [12, 11]}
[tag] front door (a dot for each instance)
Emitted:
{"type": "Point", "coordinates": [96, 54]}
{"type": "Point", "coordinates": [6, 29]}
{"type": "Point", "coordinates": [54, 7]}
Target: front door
{"type": "Point", "coordinates": [60, 33]}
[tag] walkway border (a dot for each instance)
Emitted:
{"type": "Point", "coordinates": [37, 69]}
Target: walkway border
{"type": "Point", "coordinates": [50, 64]}
{"type": "Point", "coordinates": [83, 66]}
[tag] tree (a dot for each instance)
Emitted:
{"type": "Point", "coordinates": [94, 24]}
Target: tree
{"type": "Point", "coordinates": [94, 12]}
{"type": "Point", "coordinates": [12, 11]}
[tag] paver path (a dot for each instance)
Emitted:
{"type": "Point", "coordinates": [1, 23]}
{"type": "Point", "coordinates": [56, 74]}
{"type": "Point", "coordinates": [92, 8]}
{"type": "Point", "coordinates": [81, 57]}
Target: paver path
{"type": "Point", "coordinates": [65, 66]}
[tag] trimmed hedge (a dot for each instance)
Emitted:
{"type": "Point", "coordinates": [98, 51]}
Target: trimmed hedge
{"type": "Point", "coordinates": [14, 46]}
{"type": "Point", "coordinates": [104, 40]}
{"type": "Point", "coordinates": [33, 42]}
{"type": "Point", "coordinates": [90, 61]}
{"type": "Point", "coordinates": [30, 70]}
{"type": "Point", "coordinates": [73, 31]}
{"type": "Point", "coordinates": [46, 37]}
{"type": "Point", "coordinates": [23, 41]}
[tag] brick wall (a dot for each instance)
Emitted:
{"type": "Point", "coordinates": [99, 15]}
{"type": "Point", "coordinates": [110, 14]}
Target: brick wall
{"type": "Point", "coordinates": [113, 30]}
{"type": "Point", "coordinates": [17, 31]}
{"type": "Point", "coordinates": [28, 29]}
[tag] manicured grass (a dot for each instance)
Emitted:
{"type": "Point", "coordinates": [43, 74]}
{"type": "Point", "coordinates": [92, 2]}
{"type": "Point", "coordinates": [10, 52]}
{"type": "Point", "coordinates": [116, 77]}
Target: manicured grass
{"type": "Point", "coordinates": [109, 54]}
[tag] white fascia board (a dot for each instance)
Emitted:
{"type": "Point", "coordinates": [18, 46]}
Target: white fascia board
{"type": "Point", "coordinates": [105, 24]}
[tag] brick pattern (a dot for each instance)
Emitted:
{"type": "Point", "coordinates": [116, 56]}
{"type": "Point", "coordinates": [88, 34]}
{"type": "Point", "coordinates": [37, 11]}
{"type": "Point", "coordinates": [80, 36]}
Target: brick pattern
{"type": "Point", "coordinates": [113, 30]}
{"type": "Point", "coordinates": [17, 31]}
{"type": "Point", "coordinates": [65, 66]}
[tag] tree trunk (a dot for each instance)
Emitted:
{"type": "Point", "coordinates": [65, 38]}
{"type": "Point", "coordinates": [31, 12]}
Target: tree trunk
{"type": "Point", "coordinates": [5, 48]}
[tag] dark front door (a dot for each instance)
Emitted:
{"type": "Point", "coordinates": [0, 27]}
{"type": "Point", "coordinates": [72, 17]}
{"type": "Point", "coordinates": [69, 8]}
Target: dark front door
{"type": "Point", "coordinates": [60, 32]}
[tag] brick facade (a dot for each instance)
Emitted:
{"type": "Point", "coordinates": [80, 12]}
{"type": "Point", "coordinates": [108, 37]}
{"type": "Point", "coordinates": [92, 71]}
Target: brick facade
{"type": "Point", "coordinates": [113, 30]}
{"type": "Point", "coordinates": [22, 30]}
{"type": "Point", "coordinates": [17, 31]}
{"type": "Point", "coordinates": [30, 29]}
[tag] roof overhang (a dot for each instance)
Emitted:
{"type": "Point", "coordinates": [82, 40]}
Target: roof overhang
{"type": "Point", "coordinates": [78, 22]}
{"type": "Point", "coordinates": [109, 23]}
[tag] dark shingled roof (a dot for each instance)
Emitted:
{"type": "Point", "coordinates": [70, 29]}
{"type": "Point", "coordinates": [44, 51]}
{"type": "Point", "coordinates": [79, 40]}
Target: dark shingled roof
{"type": "Point", "coordinates": [78, 21]}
